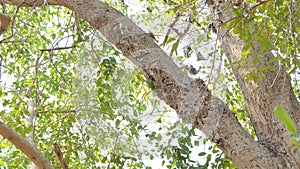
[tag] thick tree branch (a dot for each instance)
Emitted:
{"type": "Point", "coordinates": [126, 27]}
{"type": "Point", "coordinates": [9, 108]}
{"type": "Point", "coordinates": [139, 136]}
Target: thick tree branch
{"type": "Point", "coordinates": [32, 3]}
{"type": "Point", "coordinates": [4, 22]}
{"type": "Point", "coordinates": [262, 96]}
{"type": "Point", "coordinates": [20, 143]}
{"type": "Point", "coordinates": [189, 97]}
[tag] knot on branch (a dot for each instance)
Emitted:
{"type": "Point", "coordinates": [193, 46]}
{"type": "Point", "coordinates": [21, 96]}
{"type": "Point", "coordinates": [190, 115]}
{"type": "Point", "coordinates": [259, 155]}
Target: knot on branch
{"type": "Point", "coordinates": [204, 103]}
{"type": "Point", "coordinates": [165, 86]}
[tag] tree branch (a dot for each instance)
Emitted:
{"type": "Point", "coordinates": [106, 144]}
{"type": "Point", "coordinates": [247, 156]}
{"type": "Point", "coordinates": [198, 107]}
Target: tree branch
{"type": "Point", "coordinates": [60, 111]}
{"type": "Point", "coordinates": [263, 95]}
{"type": "Point", "coordinates": [58, 48]}
{"type": "Point", "coordinates": [60, 156]}
{"type": "Point", "coordinates": [20, 143]}
{"type": "Point", "coordinates": [189, 97]}
{"type": "Point", "coordinates": [4, 22]}
{"type": "Point", "coordinates": [31, 3]}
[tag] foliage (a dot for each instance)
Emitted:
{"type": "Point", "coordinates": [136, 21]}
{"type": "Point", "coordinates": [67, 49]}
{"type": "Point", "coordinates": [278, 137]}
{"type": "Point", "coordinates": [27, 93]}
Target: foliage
{"type": "Point", "coordinates": [98, 109]}
{"type": "Point", "coordinates": [266, 23]}
{"type": "Point", "coordinates": [281, 114]}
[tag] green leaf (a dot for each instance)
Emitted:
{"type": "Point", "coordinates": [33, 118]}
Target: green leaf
{"type": "Point", "coordinates": [1, 163]}
{"type": "Point", "coordinates": [173, 164]}
{"type": "Point", "coordinates": [151, 84]}
{"type": "Point", "coordinates": [251, 27]}
{"type": "Point", "coordinates": [237, 12]}
{"type": "Point", "coordinates": [175, 46]}
{"type": "Point", "coordinates": [151, 157]}
{"type": "Point", "coordinates": [202, 154]}
{"type": "Point", "coordinates": [118, 122]}
{"type": "Point", "coordinates": [170, 40]}
{"type": "Point", "coordinates": [246, 49]}
{"type": "Point", "coordinates": [221, 78]}
{"type": "Point", "coordinates": [256, 60]}
{"type": "Point", "coordinates": [236, 30]}
{"type": "Point", "coordinates": [230, 24]}
{"type": "Point", "coordinates": [281, 114]}
{"type": "Point", "coordinates": [180, 58]}
{"type": "Point", "coordinates": [264, 42]}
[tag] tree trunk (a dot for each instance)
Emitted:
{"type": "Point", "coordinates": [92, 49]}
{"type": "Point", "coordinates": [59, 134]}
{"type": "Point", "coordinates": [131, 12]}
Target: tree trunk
{"type": "Point", "coordinates": [191, 98]}
{"type": "Point", "coordinates": [261, 97]}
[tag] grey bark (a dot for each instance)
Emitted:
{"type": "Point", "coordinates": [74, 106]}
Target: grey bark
{"type": "Point", "coordinates": [262, 97]}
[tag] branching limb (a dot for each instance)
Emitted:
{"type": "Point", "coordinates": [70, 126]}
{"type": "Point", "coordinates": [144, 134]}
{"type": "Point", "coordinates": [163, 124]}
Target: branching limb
{"type": "Point", "coordinates": [31, 152]}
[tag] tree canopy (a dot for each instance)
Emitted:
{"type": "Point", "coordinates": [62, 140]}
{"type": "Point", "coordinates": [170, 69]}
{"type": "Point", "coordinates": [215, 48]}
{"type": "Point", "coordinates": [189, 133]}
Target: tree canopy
{"type": "Point", "coordinates": [124, 84]}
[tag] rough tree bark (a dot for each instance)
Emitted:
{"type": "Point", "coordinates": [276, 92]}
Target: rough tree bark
{"type": "Point", "coordinates": [191, 98]}
{"type": "Point", "coordinates": [4, 22]}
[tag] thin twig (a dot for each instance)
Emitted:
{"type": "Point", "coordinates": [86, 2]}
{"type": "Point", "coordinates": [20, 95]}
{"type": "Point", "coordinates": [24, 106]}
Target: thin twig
{"type": "Point", "coordinates": [57, 112]}
{"type": "Point", "coordinates": [59, 48]}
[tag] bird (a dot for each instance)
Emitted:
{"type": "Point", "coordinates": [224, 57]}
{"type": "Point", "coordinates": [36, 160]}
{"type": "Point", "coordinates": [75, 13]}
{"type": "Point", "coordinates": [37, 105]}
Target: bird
{"type": "Point", "coordinates": [187, 51]}
{"type": "Point", "coordinates": [192, 70]}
